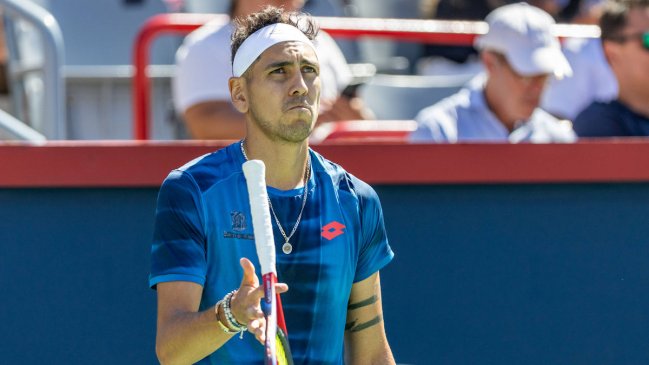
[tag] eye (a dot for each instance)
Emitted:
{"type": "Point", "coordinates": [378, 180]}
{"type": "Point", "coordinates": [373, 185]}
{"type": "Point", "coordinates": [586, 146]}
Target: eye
{"type": "Point", "coordinates": [278, 71]}
{"type": "Point", "coordinates": [309, 69]}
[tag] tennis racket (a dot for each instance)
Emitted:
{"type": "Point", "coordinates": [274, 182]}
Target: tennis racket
{"type": "Point", "coordinates": [277, 349]}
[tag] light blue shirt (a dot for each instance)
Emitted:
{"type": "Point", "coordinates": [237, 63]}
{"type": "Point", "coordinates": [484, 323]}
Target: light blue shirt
{"type": "Point", "coordinates": [465, 117]}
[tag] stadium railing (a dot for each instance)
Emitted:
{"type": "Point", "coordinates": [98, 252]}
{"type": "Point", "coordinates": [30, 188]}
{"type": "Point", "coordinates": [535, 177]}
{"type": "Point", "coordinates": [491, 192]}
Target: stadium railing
{"type": "Point", "coordinates": [407, 30]}
{"type": "Point", "coordinates": [50, 66]}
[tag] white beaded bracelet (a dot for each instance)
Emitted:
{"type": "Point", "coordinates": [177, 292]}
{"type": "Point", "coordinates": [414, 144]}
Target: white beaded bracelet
{"type": "Point", "coordinates": [229, 317]}
{"type": "Point", "coordinates": [224, 328]}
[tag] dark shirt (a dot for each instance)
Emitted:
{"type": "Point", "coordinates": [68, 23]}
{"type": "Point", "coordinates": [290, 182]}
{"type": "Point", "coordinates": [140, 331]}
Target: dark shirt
{"type": "Point", "coordinates": [610, 119]}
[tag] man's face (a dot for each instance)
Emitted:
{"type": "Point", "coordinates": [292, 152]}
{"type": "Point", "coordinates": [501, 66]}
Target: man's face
{"type": "Point", "coordinates": [283, 89]}
{"type": "Point", "coordinates": [517, 95]}
{"type": "Point", "coordinates": [629, 58]}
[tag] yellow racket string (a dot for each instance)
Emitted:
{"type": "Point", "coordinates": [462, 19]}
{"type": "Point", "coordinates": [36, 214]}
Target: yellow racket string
{"type": "Point", "coordinates": [282, 355]}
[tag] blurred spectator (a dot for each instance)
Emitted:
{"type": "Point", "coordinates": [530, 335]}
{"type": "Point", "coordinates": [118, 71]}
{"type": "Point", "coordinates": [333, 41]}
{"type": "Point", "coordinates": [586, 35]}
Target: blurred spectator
{"type": "Point", "coordinates": [200, 87]}
{"type": "Point", "coordinates": [552, 7]}
{"type": "Point", "coordinates": [592, 80]}
{"type": "Point", "coordinates": [4, 82]}
{"type": "Point", "coordinates": [448, 59]}
{"type": "Point", "coordinates": [519, 53]}
{"type": "Point", "coordinates": [625, 37]}
{"type": "Point", "coordinates": [588, 12]}
{"type": "Point", "coordinates": [445, 59]}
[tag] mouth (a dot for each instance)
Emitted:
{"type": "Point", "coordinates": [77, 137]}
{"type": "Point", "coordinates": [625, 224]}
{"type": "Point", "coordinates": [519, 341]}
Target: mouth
{"type": "Point", "coordinates": [299, 107]}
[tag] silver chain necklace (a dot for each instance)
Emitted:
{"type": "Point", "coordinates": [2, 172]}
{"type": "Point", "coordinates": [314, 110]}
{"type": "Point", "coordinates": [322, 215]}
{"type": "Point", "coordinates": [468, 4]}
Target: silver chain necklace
{"type": "Point", "coordinates": [287, 248]}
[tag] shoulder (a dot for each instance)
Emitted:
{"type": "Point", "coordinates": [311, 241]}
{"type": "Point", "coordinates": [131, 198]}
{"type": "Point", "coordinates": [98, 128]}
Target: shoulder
{"type": "Point", "coordinates": [601, 110]}
{"type": "Point", "coordinates": [209, 33]}
{"type": "Point", "coordinates": [600, 119]}
{"type": "Point", "coordinates": [439, 121]}
{"type": "Point", "coordinates": [335, 71]}
{"type": "Point", "coordinates": [323, 39]}
{"type": "Point", "coordinates": [328, 50]}
{"type": "Point", "coordinates": [207, 39]}
{"type": "Point", "coordinates": [205, 171]}
{"type": "Point", "coordinates": [341, 179]}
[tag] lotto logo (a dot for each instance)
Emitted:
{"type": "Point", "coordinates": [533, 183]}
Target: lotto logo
{"type": "Point", "coordinates": [332, 230]}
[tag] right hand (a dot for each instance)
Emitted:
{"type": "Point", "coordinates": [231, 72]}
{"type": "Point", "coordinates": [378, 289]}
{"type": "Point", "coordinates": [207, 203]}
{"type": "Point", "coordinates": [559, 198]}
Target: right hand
{"type": "Point", "coordinates": [245, 303]}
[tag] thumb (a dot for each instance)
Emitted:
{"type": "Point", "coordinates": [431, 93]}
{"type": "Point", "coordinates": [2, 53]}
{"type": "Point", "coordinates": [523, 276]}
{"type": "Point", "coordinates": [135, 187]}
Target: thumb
{"type": "Point", "coordinates": [249, 277]}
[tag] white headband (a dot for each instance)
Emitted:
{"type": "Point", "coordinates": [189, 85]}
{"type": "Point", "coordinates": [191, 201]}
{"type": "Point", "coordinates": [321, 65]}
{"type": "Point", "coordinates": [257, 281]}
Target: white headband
{"type": "Point", "coordinates": [263, 39]}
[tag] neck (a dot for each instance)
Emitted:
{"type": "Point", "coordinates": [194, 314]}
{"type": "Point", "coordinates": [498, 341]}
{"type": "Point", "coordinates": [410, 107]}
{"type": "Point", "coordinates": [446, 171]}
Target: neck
{"type": "Point", "coordinates": [285, 162]}
{"type": "Point", "coordinates": [492, 103]}
{"type": "Point", "coordinates": [636, 100]}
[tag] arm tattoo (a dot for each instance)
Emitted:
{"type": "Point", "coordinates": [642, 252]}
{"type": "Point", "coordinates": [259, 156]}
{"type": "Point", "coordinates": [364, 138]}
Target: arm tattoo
{"type": "Point", "coordinates": [363, 303]}
{"type": "Point", "coordinates": [353, 327]}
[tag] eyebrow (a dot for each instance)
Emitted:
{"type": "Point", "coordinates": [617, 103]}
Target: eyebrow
{"type": "Point", "coordinates": [304, 62]}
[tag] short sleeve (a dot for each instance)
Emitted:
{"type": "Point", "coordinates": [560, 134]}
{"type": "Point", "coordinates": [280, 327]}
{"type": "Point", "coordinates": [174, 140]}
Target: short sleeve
{"type": "Point", "coordinates": [203, 68]}
{"type": "Point", "coordinates": [178, 252]}
{"type": "Point", "coordinates": [375, 251]}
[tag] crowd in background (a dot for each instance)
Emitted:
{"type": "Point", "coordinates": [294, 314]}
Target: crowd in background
{"type": "Point", "coordinates": [603, 95]}
{"type": "Point", "coordinates": [515, 96]}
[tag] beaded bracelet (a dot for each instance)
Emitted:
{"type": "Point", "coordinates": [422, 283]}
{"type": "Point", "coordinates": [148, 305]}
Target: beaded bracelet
{"type": "Point", "coordinates": [224, 328]}
{"type": "Point", "coordinates": [229, 317]}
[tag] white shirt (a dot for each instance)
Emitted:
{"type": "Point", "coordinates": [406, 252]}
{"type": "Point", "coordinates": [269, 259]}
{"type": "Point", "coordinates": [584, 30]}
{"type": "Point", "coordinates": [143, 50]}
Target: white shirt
{"type": "Point", "coordinates": [592, 79]}
{"type": "Point", "coordinates": [203, 66]}
{"type": "Point", "coordinates": [465, 117]}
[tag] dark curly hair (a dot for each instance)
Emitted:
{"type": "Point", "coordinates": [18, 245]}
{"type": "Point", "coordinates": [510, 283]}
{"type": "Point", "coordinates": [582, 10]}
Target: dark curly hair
{"type": "Point", "coordinates": [244, 27]}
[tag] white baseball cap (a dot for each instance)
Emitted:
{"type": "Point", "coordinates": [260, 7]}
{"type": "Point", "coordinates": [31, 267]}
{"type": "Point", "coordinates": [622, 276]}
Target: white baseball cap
{"type": "Point", "coordinates": [523, 33]}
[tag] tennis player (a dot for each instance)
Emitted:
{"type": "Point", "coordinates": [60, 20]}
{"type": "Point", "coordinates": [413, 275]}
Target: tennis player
{"type": "Point", "coordinates": [328, 225]}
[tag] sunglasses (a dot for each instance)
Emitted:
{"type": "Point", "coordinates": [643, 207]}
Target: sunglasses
{"type": "Point", "coordinates": [642, 36]}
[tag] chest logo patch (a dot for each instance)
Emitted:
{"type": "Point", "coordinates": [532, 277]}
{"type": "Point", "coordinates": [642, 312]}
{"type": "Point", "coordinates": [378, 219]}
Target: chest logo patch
{"type": "Point", "coordinates": [332, 230]}
{"type": "Point", "coordinates": [238, 221]}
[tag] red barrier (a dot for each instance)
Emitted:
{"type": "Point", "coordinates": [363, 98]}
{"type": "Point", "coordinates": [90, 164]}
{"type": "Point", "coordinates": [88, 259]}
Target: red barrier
{"type": "Point", "coordinates": [145, 164]}
{"type": "Point", "coordinates": [412, 30]}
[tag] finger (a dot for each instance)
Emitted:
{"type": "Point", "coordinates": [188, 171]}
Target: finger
{"type": "Point", "coordinates": [262, 330]}
{"type": "Point", "coordinates": [281, 288]}
{"type": "Point", "coordinates": [256, 294]}
{"type": "Point", "coordinates": [249, 277]}
{"type": "Point", "coordinates": [255, 328]}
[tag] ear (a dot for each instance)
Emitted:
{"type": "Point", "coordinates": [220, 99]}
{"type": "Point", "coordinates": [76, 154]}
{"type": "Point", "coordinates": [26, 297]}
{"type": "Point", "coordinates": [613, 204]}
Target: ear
{"type": "Point", "coordinates": [239, 93]}
{"type": "Point", "coordinates": [489, 61]}
{"type": "Point", "coordinates": [611, 52]}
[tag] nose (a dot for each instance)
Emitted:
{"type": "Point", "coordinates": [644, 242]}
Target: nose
{"type": "Point", "coordinates": [298, 85]}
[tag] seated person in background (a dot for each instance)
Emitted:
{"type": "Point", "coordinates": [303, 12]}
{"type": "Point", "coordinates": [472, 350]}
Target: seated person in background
{"type": "Point", "coordinates": [519, 54]}
{"type": "Point", "coordinates": [447, 59]}
{"type": "Point", "coordinates": [625, 37]}
{"type": "Point", "coordinates": [592, 79]}
{"type": "Point", "coordinates": [203, 67]}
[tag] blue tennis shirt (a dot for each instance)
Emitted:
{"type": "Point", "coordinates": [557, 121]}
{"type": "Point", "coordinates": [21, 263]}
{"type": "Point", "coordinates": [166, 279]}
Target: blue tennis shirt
{"type": "Point", "coordinates": [203, 227]}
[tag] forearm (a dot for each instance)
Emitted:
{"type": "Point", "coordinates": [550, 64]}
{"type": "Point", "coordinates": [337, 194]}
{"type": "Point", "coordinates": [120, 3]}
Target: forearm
{"type": "Point", "coordinates": [376, 352]}
{"type": "Point", "coordinates": [365, 339]}
{"type": "Point", "coordinates": [189, 337]}
{"type": "Point", "coordinates": [215, 120]}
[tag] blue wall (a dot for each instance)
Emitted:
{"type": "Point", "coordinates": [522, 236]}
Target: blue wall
{"type": "Point", "coordinates": [483, 274]}
{"type": "Point", "coordinates": [73, 276]}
